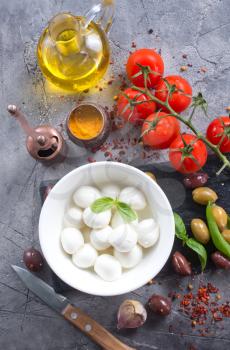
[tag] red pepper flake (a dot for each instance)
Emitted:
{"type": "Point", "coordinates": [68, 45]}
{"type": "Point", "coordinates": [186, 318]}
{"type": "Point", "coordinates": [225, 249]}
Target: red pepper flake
{"type": "Point", "coordinates": [108, 154]}
{"type": "Point", "coordinates": [203, 307]}
{"type": "Point", "coordinates": [91, 160]}
{"type": "Point", "coordinates": [134, 45]}
{"type": "Point", "coordinates": [212, 289]}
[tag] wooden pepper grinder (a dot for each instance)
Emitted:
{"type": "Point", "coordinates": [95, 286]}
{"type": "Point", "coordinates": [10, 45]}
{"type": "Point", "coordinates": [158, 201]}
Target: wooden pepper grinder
{"type": "Point", "coordinates": [44, 142]}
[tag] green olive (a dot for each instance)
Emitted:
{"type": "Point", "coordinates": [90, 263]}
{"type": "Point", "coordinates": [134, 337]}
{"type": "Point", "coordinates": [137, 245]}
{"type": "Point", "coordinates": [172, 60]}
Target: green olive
{"type": "Point", "coordinates": [200, 231]}
{"type": "Point", "coordinates": [226, 235]}
{"type": "Point", "coordinates": [220, 217]}
{"type": "Point", "coordinates": [151, 175]}
{"type": "Point", "coordinates": [203, 195]}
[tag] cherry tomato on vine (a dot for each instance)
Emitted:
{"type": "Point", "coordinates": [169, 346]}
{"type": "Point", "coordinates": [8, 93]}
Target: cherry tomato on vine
{"type": "Point", "coordinates": [147, 58]}
{"type": "Point", "coordinates": [216, 131]}
{"type": "Point", "coordinates": [180, 99]}
{"type": "Point", "coordinates": [159, 130]}
{"type": "Point", "coordinates": [187, 154]}
{"type": "Point", "coordinates": [138, 113]}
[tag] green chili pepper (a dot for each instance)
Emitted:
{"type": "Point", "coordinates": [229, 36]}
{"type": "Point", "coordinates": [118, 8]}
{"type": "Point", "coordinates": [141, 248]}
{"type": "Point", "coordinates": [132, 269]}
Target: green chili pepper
{"type": "Point", "coordinates": [218, 240]}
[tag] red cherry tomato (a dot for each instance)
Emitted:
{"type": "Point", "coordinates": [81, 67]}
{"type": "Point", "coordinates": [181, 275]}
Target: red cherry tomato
{"type": "Point", "coordinates": [216, 131]}
{"type": "Point", "coordinates": [163, 129]}
{"type": "Point", "coordinates": [145, 57]}
{"type": "Point", "coordinates": [140, 111]}
{"type": "Point", "coordinates": [192, 156]}
{"type": "Point", "coordinates": [180, 99]}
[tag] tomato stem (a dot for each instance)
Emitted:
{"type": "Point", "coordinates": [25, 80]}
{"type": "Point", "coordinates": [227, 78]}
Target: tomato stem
{"type": "Point", "coordinates": [188, 123]}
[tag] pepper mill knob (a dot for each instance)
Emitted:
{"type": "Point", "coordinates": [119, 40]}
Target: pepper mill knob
{"type": "Point", "coordinates": [44, 142]}
{"type": "Point", "coordinates": [12, 109]}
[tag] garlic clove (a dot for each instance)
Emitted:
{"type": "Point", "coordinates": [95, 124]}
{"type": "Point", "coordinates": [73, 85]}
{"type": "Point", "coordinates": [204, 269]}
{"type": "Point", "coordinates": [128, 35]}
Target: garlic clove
{"type": "Point", "coordinates": [133, 197]}
{"type": "Point", "coordinates": [117, 220]}
{"type": "Point", "coordinates": [108, 267]}
{"type": "Point", "coordinates": [73, 218]}
{"type": "Point", "coordinates": [148, 233]}
{"type": "Point", "coordinates": [111, 191]}
{"type": "Point", "coordinates": [96, 220]}
{"type": "Point", "coordinates": [123, 238]}
{"type": "Point", "coordinates": [71, 240]}
{"type": "Point", "coordinates": [131, 314]}
{"type": "Point", "coordinates": [84, 196]}
{"type": "Point", "coordinates": [85, 257]}
{"type": "Point", "coordinates": [100, 238]}
{"type": "Point", "coordinates": [130, 259]}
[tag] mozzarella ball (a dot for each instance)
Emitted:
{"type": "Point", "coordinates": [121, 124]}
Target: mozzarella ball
{"type": "Point", "coordinates": [108, 267]}
{"type": "Point", "coordinates": [100, 238]}
{"type": "Point", "coordinates": [117, 220]}
{"type": "Point", "coordinates": [123, 238]}
{"type": "Point", "coordinates": [71, 240]}
{"type": "Point", "coordinates": [130, 259]}
{"type": "Point", "coordinates": [73, 218]}
{"type": "Point", "coordinates": [85, 257]}
{"type": "Point", "coordinates": [96, 220]}
{"type": "Point", "coordinates": [86, 231]}
{"type": "Point", "coordinates": [111, 191]}
{"type": "Point", "coordinates": [148, 233]}
{"type": "Point", "coordinates": [85, 196]}
{"type": "Point", "coordinates": [133, 197]}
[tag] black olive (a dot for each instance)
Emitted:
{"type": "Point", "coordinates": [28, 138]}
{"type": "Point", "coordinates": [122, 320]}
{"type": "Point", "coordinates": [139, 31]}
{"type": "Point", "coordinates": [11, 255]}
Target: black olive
{"type": "Point", "coordinates": [160, 305]}
{"type": "Point", "coordinates": [195, 180]}
{"type": "Point", "coordinates": [33, 259]}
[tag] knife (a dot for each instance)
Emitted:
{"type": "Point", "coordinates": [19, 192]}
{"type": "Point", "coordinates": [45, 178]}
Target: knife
{"type": "Point", "coordinates": [70, 312]}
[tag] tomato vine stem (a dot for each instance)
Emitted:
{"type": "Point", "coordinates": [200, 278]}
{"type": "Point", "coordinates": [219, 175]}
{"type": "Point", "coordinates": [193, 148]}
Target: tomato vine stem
{"type": "Point", "coordinates": [187, 122]}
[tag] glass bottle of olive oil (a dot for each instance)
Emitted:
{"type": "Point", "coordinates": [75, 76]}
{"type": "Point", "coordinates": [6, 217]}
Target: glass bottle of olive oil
{"type": "Point", "coordinates": [73, 52]}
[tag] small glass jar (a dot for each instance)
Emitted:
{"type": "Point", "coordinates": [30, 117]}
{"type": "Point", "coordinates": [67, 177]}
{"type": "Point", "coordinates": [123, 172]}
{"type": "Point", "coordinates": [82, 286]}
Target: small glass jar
{"type": "Point", "coordinates": [103, 133]}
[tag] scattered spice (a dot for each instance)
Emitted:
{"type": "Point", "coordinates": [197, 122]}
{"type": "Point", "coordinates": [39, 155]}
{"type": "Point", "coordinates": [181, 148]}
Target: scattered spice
{"type": "Point", "coordinates": [185, 56]}
{"type": "Point", "coordinates": [184, 68]}
{"type": "Point", "coordinates": [189, 64]}
{"type": "Point", "coordinates": [134, 45]}
{"type": "Point", "coordinates": [203, 69]}
{"type": "Point", "coordinates": [150, 31]}
{"type": "Point", "coordinates": [91, 160]}
{"type": "Point", "coordinates": [151, 282]}
{"type": "Point", "coordinates": [203, 307]}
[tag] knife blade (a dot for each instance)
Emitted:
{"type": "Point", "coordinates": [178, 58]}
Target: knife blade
{"type": "Point", "coordinates": [73, 314]}
{"type": "Point", "coordinates": [45, 292]}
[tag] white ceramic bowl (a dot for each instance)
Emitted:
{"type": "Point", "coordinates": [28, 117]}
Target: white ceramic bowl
{"type": "Point", "coordinates": [51, 221]}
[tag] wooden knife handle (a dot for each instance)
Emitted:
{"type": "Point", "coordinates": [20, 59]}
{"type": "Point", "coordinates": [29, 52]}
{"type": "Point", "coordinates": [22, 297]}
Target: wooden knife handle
{"type": "Point", "coordinates": [93, 329]}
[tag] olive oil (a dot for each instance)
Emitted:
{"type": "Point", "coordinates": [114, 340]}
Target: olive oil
{"type": "Point", "coordinates": [72, 57]}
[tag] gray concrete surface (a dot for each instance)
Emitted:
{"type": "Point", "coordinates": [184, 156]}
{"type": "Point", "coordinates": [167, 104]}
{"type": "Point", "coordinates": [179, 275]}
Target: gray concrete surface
{"type": "Point", "coordinates": [198, 28]}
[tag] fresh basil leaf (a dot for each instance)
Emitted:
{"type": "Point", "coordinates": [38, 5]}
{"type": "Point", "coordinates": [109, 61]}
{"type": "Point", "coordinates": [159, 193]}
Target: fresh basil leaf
{"type": "Point", "coordinates": [102, 204]}
{"type": "Point", "coordinates": [127, 213]}
{"type": "Point", "coordinates": [180, 228]}
{"type": "Point", "coordinates": [199, 249]}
